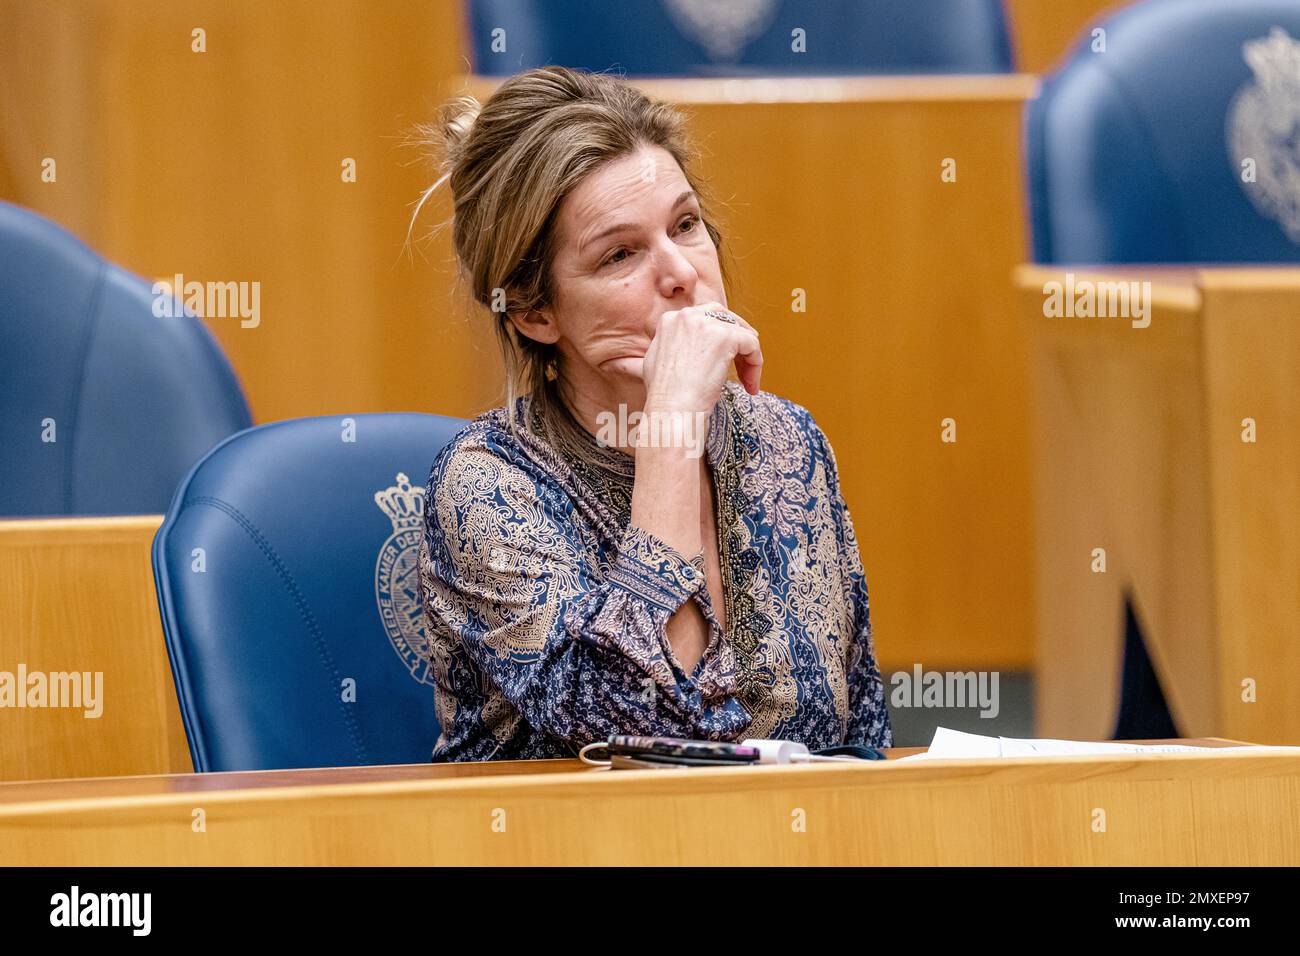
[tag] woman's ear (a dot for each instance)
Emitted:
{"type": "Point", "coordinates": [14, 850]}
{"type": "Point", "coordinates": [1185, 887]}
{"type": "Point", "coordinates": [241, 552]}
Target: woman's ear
{"type": "Point", "coordinates": [537, 324]}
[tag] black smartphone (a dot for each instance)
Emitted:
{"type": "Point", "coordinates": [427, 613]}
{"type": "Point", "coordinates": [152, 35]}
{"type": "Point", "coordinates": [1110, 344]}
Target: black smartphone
{"type": "Point", "coordinates": [680, 751]}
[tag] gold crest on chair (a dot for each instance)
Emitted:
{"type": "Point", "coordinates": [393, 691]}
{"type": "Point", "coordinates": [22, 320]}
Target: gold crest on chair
{"type": "Point", "coordinates": [723, 27]}
{"type": "Point", "coordinates": [397, 577]}
{"type": "Point", "coordinates": [1264, 129]}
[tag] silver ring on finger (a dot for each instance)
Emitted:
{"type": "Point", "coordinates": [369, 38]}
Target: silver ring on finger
{"type": "Point", "coordinates": [722, 316]}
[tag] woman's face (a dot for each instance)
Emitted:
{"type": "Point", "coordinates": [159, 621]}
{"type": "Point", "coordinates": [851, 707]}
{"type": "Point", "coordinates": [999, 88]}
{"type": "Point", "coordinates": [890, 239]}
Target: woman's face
{"type": "Point", "coordinates": [630, 246]}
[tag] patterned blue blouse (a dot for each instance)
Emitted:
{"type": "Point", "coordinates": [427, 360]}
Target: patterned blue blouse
{"type": "Point", "coordinates": [546, 610]}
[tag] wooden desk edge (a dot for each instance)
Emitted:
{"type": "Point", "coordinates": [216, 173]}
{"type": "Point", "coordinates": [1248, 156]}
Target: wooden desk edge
{"type": "Point", "coordinates": [1175, 284]}
{"type": "Point", "coordinates": [559, 782]}
{"type": "Point", "coordinates": [1170, 287]}
{"type": "Point", "coordinates": [736, 91]}
{"type": "Point", "coordinates": [19, 532]}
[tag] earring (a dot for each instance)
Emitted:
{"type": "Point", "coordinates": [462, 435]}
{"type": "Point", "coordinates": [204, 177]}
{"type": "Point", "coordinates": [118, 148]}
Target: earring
{"type": "Point", "coordinates": [551, 373]}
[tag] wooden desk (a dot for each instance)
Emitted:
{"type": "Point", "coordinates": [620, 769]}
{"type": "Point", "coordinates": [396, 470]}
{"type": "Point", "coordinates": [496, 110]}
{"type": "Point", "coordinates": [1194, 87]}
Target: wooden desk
{"type": "Point", "coordinates": [1162, 809]}
{"type": "Point", "coordinates": [77, 594]}
{"type": "Point", "coordinates": [1139, 450]}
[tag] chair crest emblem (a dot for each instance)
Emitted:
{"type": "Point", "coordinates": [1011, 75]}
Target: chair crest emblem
{"type": "Point", "coordinates": [397, 577]}
{"type": "Point", "coordinates": [723, 27]}
{"type": "Point", "coordinates": [1264, 126]}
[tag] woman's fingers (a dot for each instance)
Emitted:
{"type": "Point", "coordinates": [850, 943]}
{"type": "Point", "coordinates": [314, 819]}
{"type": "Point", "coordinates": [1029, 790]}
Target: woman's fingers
{"type": "Point", "coordinates": [689, 353]}
{"type": "Point", "coordinates": [749, 359]}
{"type": "Point", "coordinates": [749, 354]}
{"type": "Point", "coordinates": [749, 363]}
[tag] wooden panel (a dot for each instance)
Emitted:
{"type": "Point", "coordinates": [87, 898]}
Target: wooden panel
{"type": "Point", "coordinates": [1121, 445]}
{"type": "Point", "coordinates": [1159, 810]}
{"type": "Point", "coordinates": [1252, 357]}
{"type": "Point", "coordinates": [1043, 31]}
{"type": "Point", "coordinates": [1139, 450]}
{"type": "Point", "coordinates": [1078, 619]}
{"type": "Point", "coordinates": [77, 594]}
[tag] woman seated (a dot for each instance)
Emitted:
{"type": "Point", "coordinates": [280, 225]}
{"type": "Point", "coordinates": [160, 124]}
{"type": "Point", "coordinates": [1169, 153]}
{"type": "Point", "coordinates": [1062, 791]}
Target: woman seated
{"type": "Point", "coordinates": [696, 575]}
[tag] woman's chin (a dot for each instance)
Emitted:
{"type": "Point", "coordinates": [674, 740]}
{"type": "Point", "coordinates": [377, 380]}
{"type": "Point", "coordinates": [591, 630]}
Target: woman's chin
{"type": "Point", "coordinates": [632, 367]}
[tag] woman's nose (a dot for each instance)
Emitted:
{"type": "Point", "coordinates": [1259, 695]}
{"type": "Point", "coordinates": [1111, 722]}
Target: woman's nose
{"type": "Point", "coordinates": [677, 276]}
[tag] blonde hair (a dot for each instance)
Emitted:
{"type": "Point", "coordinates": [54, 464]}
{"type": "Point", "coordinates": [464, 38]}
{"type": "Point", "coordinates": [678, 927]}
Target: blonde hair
{"type": "Point", "coordinates": [511, 162]}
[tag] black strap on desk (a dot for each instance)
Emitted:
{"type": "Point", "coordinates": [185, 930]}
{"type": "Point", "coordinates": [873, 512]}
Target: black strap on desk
{"type": "Point", "coordinates": [851, 750]}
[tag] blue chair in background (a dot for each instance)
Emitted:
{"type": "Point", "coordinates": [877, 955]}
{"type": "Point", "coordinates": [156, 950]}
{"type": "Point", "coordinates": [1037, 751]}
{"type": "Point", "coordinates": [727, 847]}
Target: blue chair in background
{"type": "Point", "coordinates": [130, 400]}
{"type": "Point", "coordinates": [1138, 153]}
{"type": "Point", "coordinates": [288, 585]}
{"type": "Point", "coordinates": [740, 37]}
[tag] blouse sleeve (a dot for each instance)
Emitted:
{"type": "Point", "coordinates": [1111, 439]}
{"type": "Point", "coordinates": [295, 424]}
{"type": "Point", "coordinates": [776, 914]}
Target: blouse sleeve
{"type": "Point", "coordinates": [868, 716]}
{"type": "Point", "coordinates": [580, 655]}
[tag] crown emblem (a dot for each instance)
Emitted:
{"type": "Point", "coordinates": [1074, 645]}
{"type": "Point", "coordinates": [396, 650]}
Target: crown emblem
{"type": "Point", "coordinates": [1264, 125]}
{"type": "Point", "coordinates": [1276, 65]}
{"type": "Point", "coordinates": [403, 504]}
{"type": "Point", "coordinates": [724, 29]}
{"type": "Point", "coordinates": [397, 577]}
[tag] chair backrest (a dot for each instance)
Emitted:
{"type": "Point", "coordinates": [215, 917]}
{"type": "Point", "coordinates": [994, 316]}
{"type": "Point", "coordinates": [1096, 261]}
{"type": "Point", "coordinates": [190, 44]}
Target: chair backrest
{"type": "Point", "coordinates": [289, 590]}
{"type": "Point", "coordinates": [103, 405]}
{"type": "Point", "coordinates": [740, 37]}
{"type": "Point", "coordinates": [1177, 142]}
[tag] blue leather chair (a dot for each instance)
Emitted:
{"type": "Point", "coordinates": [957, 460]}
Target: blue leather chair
{"type": "Point", "coordinates": [131, 400]}
{"type": "Point", "coordinates": [290, 599]}
{"type": "Point", "coordinates": [715, 38]}
{"type": "Point", "coordinates": [1135, 154]}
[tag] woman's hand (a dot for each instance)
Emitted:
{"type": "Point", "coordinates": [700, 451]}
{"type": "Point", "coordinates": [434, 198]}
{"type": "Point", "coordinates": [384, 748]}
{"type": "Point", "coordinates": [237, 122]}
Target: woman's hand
{"type": "Point", "coordinates": [688, 359]}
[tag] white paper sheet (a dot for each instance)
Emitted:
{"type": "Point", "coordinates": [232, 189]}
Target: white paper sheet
{"type": "Point", "coordinates": [954, 744]}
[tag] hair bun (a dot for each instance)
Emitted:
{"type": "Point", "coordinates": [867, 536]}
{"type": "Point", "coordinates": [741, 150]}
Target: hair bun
{"type": "Point", "coordinates": [457, 121]}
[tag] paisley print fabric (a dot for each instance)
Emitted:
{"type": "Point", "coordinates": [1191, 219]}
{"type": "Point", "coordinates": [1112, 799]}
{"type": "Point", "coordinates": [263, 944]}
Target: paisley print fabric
{"type": "Point", "coordinates": [546, 610]}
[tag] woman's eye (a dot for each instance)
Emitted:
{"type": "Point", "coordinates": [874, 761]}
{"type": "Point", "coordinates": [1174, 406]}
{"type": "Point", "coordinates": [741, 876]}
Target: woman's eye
{"type": "Point", "coordinates": [617, 256]}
